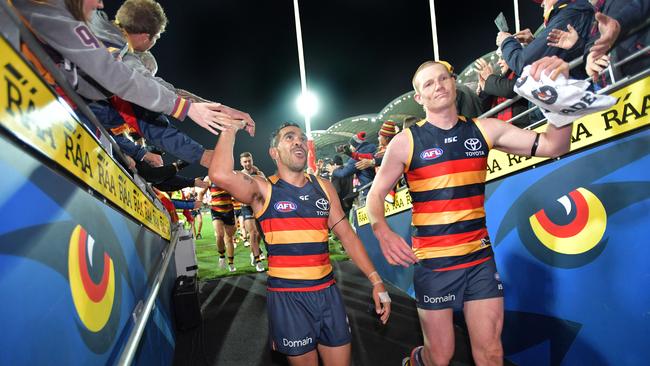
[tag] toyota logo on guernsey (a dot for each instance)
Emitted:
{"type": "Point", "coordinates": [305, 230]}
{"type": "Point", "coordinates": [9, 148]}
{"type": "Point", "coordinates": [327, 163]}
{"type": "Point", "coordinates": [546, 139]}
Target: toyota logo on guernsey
{"type": "Point", "coordinates": [430, 154]}
{"type": "Point", "coordinates": [285, 206]}
{"type": "Point", "coordinates": [473, 144]}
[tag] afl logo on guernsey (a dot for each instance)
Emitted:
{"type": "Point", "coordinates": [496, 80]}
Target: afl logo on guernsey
{"type": "Point", "coordinates": [285, 206]}
{"type": "Point", "coordinates": [430, 154]}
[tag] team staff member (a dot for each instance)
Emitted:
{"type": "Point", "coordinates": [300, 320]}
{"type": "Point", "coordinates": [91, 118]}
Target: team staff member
{"type": "Point", "coordinates": [306, 315]}
{"type": "Point", "coordinates": [444, 159]}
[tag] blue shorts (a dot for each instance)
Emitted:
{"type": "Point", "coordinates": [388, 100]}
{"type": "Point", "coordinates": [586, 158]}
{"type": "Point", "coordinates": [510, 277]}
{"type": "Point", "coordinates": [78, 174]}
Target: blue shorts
{"type": "Point", "coordinates": [195, 213]}
{"type": "Point", "coordinates": [450, 289]}
{"type": "Point", "coordinates": [247, 212]}
{"type": "Point", "coordinates": [299, 321]}
{"type": "Point", "coordinates": [237, 212]}
{"type": "Point", "coordinates": [228, 218]}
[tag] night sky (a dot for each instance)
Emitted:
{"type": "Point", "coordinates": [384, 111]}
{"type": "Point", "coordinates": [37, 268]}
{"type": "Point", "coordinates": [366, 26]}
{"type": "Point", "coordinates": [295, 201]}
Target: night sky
{"type": "Point", "coordinates": [359, 54]}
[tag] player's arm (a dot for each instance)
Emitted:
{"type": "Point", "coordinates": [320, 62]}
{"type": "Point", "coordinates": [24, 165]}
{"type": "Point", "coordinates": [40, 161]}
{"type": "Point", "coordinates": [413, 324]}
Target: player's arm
{"type": "Point", "coordinates": [395, 249]}
{"type": "Point", "coordinates": [241, 186]}
{"type": "Point", "coordinates": [201, 192]}
{"type": "Point", "coordinates": [339, 224]}
{"type": "Point", "coordinates": [553, 142]}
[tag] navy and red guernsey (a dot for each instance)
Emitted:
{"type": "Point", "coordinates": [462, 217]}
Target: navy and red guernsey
{"type": "Point", "coordinates": [294, 223]}
{"type": "Point", "coordinates": [446, 175]}
{"type": "Point", "coordinates": [220, 200]}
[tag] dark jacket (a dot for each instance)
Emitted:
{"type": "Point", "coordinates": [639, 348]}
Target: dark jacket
{"type": "Point", "coordinates": [343, 187]}
{"type": "Point", "coordinates": [365, 176]}
{"type": "Point", "coordinates": [578, 13]}
{"type": "Point", "coordinates": [629, 14]}
{"type": "Point", "coordinates": [499, 89]}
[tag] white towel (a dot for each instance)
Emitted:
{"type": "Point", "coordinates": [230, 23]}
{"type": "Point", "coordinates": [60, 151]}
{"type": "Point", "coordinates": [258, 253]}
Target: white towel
{"type": "Point", "coordinates": [561, 100]}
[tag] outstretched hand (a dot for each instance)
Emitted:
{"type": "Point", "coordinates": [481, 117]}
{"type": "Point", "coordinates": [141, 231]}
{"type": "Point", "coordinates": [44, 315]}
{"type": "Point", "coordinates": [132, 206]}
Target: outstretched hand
{"type": "Point", "coordinates": [239, 115]}
{"type": "Point", "coordinates": [561, 39]}
{"type": "Point", "coordinates": [609, 29]}
{"type": "Point", "coordinates": [211, 117]}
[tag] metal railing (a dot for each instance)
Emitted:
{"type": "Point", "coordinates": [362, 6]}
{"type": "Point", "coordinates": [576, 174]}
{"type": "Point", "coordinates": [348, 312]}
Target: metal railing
{"type": "Point", "coordinates": [616, 84]}
{"type": "Point", "coordinates": [142, 315]}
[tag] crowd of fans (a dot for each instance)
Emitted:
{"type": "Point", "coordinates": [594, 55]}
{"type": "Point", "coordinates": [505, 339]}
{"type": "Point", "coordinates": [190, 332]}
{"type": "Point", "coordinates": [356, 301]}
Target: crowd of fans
{"type": "Point", "coordinates": [572, 29]}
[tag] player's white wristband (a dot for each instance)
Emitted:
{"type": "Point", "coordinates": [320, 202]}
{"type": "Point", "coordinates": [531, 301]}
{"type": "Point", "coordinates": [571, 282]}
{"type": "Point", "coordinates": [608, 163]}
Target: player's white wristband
{"type": "Point", "coordinates": [383, 297]}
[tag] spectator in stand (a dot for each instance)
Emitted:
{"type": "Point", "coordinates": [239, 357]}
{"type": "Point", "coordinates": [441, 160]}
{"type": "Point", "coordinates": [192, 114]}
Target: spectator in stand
{"type": "Point", "coordinates": [94, 72]}
{"type": "Point", "coordinates": [495, 89]}
{"type": "Point", "coordinates": [343, 185]}
{"type": "Point", "coordinates": [619, 17]}
{"type": "Point", "coordinates": [558, 14]}
{"type": "Point", "coordinates": [138, 25]}
{"type": "Point", "coordinates": [358, 144]}
{"type": "Point", "coordinates": [386, 133]}
{"type": "Point", "coordinates": [630, 13]}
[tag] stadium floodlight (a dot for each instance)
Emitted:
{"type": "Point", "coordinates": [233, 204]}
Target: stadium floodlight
{"type": "Point", "coordinates": [307, 104]}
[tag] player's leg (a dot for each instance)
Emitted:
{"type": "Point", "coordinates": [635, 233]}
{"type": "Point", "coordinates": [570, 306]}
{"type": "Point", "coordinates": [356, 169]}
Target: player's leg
{"type": "Point", "coordinates": [484, 313]}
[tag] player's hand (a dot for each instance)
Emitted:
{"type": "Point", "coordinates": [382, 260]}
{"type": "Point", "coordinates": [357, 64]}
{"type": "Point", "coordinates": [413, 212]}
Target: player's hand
{"type": "Point", "coordinates": [381, 308]}
{"type": "Point", "coordinates": [501, 36]}
{"type": "Point", "coordinates": [553, 66]}
{"type": "Point", "coordinates": [152, 159]}
{"type": "Point", "coordinates": [210, 117]}
{"type": "Point", "coordinates": [609, 29]}
{"type": "Point", "coordinates": [249, 125]}
{"type": "Point", "coordinates": [524, 36]}
{"type": "Point", "coordinates": [395, 249]}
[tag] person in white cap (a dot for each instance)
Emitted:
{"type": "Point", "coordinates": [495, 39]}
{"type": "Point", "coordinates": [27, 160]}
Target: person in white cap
{"type": "Point", "coordinates": [444, 159]}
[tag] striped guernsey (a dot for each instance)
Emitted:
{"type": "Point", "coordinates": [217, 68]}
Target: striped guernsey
{"type": "Point", "coordinates": [220, 200]}
{"type": "Point", "coordinates": [294, 223]}
{"type": "Point", "coordinates": [446, 174]}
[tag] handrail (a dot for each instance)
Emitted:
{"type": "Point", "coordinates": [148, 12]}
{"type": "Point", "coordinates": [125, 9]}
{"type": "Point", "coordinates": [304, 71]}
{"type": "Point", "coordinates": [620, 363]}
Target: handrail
{"type": "Point", "coordinates": [576, 62]}
{"type": "Point", "coordinates": [131, 346]}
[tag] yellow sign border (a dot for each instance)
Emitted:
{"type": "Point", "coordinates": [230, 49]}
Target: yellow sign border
{"type": "Point", "coordinates": [31, 112]}
{"type": "Point", "coordinates": [631, 112]}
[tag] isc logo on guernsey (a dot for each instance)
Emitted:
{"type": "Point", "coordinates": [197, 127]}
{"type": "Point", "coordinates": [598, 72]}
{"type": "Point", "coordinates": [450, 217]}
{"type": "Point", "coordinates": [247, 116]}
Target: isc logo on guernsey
{"type": "Point", "coordinates": [285, 206]}
{"type": "Point", "coordinates": [430, 154]}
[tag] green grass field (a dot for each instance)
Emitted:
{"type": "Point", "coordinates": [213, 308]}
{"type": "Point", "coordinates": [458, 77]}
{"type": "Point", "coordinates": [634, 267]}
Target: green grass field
{"type": "Point", "coordinates": [208, 257]}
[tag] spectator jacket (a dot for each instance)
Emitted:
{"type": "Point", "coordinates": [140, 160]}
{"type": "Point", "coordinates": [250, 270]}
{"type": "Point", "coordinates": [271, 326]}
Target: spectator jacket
{"type": "Point", "coordinates": [578, 13]}
{"type": "Point", "coordinates": [89, 66]}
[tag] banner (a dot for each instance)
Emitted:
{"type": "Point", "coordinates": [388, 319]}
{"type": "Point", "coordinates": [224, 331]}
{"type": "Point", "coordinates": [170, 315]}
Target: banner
{"type": "Point", "coordinates": [36, 116]}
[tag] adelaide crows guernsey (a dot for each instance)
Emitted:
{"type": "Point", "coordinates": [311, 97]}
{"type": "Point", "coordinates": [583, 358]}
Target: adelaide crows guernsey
{"type": "Point", "coordinates": [220, 200]}
{"type": "Point", "coordinates": [294, 223]}
{"type": "Point", "coordinates": [446, 177]}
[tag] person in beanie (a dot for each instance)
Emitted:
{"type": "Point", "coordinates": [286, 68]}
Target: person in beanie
{"type": "Point", "coordinates": [358, 144]}
{"type": "Point", "coordinates": [386, 133]}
